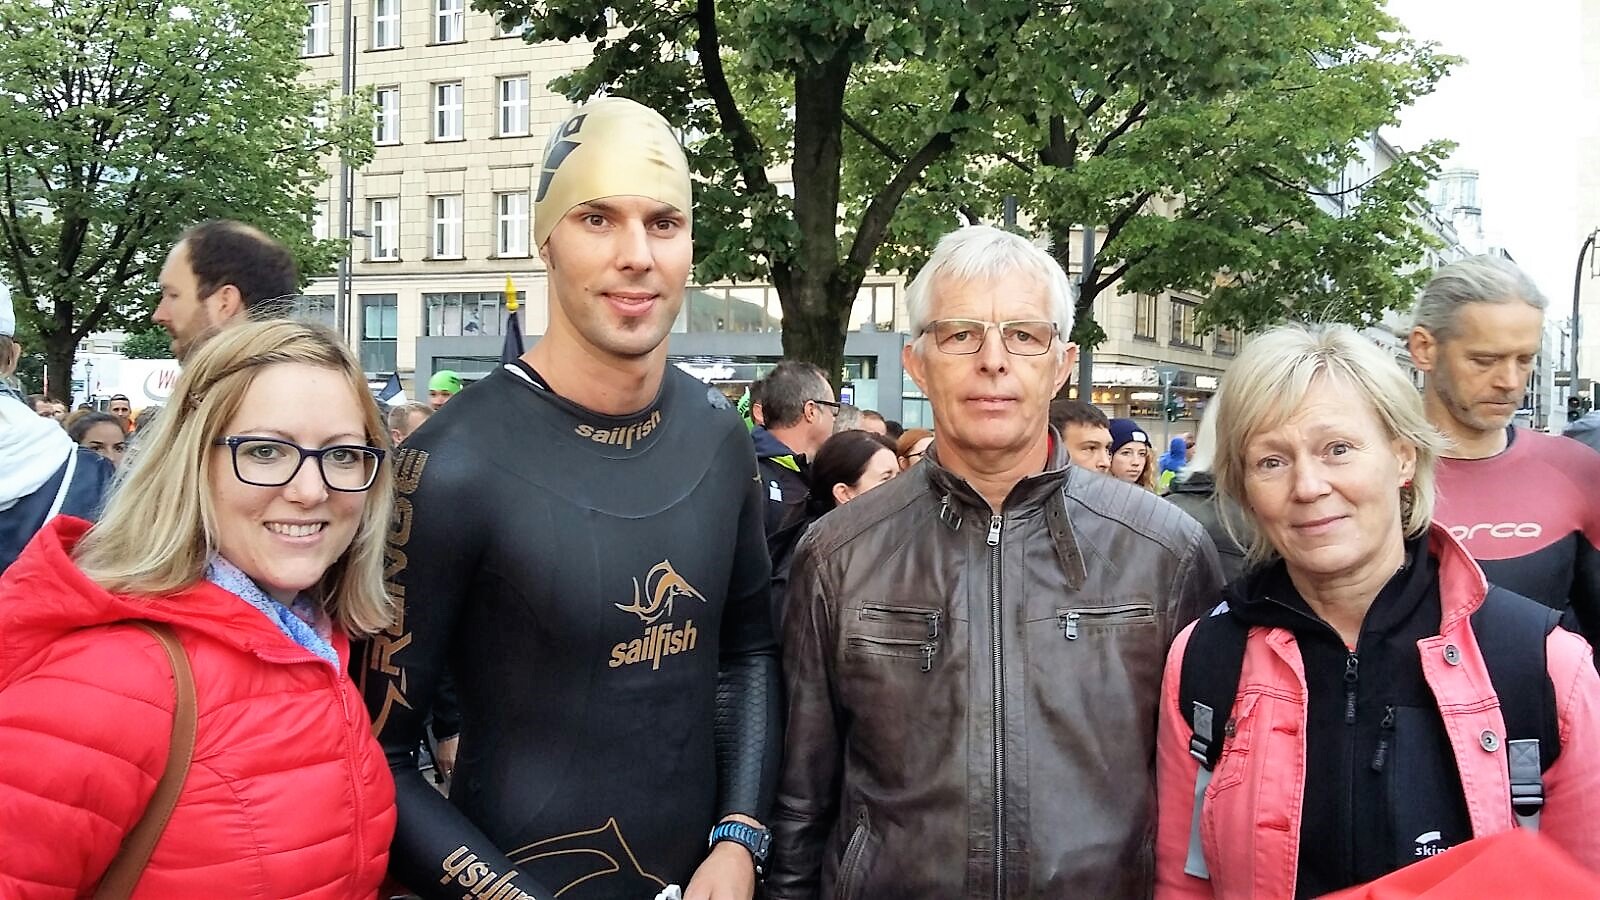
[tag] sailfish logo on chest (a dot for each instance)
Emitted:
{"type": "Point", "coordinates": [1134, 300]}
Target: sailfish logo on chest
{"type": "Point", "coordinates": [653, 600]}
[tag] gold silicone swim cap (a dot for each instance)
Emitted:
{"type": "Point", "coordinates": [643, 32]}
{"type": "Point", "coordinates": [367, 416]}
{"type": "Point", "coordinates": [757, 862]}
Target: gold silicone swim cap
{"type": "Point", "coordinates": [609, 148]}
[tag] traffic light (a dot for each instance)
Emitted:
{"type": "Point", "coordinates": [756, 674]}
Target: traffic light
{"type": "Point", "coordinates": [1174, 408]}
{"type": "Point", "coordinates": [1574, 408]}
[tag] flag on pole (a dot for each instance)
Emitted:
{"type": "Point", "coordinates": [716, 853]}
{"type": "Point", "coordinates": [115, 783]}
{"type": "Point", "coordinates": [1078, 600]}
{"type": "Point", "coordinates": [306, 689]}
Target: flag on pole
{"type": "Point", "coordinates": [392, 394]}
{"type": "Point", "coordinates": [513, 345]}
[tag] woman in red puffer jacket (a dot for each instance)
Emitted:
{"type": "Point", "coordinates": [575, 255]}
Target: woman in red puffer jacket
{"type": "Point", "coordinates": [251, 522]}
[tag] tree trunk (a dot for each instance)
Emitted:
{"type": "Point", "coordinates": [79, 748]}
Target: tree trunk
{"type": "Point", "coordinates": [59, 350]}
{"type": "Point", "coordinates": [812, 333]}
{"type": "Point", "coordinates": [815, 293]}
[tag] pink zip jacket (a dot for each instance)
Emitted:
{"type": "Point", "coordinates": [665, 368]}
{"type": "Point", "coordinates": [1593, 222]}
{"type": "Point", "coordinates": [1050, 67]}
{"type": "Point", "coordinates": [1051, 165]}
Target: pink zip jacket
{"type": "Point", "coordinates": [1251, 822]}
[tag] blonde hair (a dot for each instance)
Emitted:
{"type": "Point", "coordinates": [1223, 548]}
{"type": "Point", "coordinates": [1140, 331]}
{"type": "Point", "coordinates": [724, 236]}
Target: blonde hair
{"type": "Point", "coordinates": [159, 529]}
{"type": "Point", "coordinates": [1270, 380]}
{"type": "Point", "coordinates": [1147, 475]}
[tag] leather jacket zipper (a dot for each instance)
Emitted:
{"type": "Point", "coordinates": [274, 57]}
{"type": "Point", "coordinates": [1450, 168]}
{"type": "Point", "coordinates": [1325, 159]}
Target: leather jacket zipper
{"type": "Point", "coordinates": [850, 863]}
{"type": "Point", "coordinates": [925, 649]}
{"type": "Point", "coordinates": [999, 709]}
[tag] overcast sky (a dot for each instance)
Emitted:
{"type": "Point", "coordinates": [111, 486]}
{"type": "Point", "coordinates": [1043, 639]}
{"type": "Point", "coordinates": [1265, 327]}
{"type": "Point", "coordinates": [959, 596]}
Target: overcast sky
{"type": "Point", "coordinates": [1511, 106]}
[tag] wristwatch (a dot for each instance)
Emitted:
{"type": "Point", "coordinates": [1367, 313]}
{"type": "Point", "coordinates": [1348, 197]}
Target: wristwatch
{"type": "Point", "coordinates": [757, 840]}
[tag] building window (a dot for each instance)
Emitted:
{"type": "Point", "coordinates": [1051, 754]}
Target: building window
{"type": "Point", "coordinates": [873, 309]}
{"type": "Point", "coordinates": [383, 216]}
{"type": "Point", "coordinates": [449, 21]}
{"type": "Point", "coordinates": [465, 314]}
{"type": "Point", "coordinates": [514, 106]}
{"type": "Point", "coordinates": [379, 332]}
{"type": "Point", "coordinates": [316, 33]}
{"type": "Point", "coordinates": [1144, 316]}
{"type": "Point", "coordinates": [447, 111]}
{"type": "Point", "coordinates": [1183, 333]}
{"type": "Point", "coordinates": [446, 227]}
{"type": "Point", "coordinates": [1225, 342]}
{"type": "Point", "coordinates": [319, 220]}
{"type": "Point", "coordinates": [316, 308]}
{"type": "Point", "coordinates": [319, 117]}
{"type": "Point", "coordinates": [511, 224]}
{"type": "Point", "coordinates": [386, 124]}
{"type": "Point", "coordinates": [385, 24]}
{"type": "Point", "coordinates": [512, 28]}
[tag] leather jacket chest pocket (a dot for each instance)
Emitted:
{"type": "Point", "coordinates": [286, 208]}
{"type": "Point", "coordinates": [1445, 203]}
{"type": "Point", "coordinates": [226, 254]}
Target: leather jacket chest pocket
{"type": "Point", "coordinates": [908, 635]}
{"type": "Point", "coordinates": [1077, 623]}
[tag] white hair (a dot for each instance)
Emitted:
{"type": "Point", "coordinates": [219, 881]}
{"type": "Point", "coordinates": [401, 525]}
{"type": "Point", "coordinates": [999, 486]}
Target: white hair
{"type": "Point", "coordinates": [985, 253]}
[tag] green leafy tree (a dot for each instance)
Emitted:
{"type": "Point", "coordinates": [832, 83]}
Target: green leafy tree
{"type": "Point", "coordinates": [767, 85]}
{"type": "Point", "coordinates": [124, 123]}
{"type": "Point", "coordinates": [151, 343]}
{"type": "Point", "coordinates": [1199, 138]}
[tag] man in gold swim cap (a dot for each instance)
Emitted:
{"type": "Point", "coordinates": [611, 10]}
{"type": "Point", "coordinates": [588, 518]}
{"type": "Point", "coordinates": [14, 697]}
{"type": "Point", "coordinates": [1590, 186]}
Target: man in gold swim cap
{"type": "Point", "coordinates": [579, 540]}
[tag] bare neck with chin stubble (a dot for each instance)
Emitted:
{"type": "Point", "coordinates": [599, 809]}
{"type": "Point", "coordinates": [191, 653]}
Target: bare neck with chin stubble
{"type": "Point", "coordinates": [1464, 442]}
{"type": "Point", "coordinates": [994, 473]}
{"type": "Point", "coordinates": [599, 383]}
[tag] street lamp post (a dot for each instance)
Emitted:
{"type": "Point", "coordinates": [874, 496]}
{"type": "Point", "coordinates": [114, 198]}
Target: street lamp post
{"type": "Point", "coordinates": [347, 85]}
{"type": "Point", "coordinates": [344, 283]}
{"type": "Point", "coordinates": [1577, 286]}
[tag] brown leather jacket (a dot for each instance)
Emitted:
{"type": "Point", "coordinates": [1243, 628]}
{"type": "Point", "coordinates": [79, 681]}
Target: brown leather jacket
{"type": "Point", "coordinates": [916, 621]}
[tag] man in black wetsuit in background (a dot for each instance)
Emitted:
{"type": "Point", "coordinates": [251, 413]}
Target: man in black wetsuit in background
{"type": "Point", "coordinates": [578, 540]}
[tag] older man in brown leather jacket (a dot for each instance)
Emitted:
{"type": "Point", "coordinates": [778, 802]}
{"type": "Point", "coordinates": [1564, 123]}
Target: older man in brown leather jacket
{"type": "Point", "coordinates": [973, 651]}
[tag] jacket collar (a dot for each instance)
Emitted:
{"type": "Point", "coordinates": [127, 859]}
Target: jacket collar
{"type": "Point", "coordinates": [1462, 585]}
{"type": "Point", "coordinates": [1042, 490]}
{"type": "Point", "coordinates": [1029, 493]}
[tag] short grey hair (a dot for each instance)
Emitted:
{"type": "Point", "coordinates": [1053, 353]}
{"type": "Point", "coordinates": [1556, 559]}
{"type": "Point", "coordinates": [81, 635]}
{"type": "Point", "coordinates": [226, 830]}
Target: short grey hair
{"type": "Point", "coordinates": [986, 253]}
{"type": "Point", "coordinates": [400, 416]}
{"type": "Point", "coordinates": [1477, 279]}
{"type": "Point", "coordinates": [785, 391]}
{"type": "Point", "coordinates": [848, 418]}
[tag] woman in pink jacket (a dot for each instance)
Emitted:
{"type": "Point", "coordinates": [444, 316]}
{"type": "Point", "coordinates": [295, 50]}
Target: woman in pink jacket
{"type": "Point", "coordinates": [1363, 731]}
{"type": "Point", "coordinates": [250, 523]}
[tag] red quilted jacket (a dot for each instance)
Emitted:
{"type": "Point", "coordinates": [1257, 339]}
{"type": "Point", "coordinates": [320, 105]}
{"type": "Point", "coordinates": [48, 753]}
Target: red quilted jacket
{"type": "Point", "coordinates": [288, 794]}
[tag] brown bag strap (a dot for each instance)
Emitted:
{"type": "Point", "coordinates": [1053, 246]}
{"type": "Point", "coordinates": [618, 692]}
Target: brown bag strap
{"type": "Point", "coordinates": [128, 865]}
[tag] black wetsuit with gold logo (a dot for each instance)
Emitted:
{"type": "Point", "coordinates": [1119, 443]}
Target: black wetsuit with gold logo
{"type": "Point", "coordinates": [598, 586]}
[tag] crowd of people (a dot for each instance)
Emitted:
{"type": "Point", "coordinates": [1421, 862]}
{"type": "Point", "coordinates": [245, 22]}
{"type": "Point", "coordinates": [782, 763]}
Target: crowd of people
{"type": "Point", "coordinates": [666, 645]}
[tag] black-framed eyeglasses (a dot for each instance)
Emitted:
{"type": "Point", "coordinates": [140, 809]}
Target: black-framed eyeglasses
{"type": "Point", "coordinates": [832, 406]}
{"type": "Point", "coordinates": [963, 337]}
{"type": "Point", "coordinates": [272, 462]}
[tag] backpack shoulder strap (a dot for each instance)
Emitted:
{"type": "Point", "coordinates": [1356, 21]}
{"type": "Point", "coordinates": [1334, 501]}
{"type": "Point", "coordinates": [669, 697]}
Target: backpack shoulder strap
{"type": "Point", "coordinates": [1212, 663]}
{"type": "Point", "coordinates": [128, 865]}
{"type": "Point", "coordinates": [1207, 685]}
{"type": "Point", "coordinates": [1511, 632]}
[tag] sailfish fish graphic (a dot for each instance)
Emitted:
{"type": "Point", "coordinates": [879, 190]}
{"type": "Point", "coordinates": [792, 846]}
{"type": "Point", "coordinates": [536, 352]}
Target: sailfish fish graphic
{"type": "Point", "coordinates": [565, 862]}
{"type": "Point", "coordinates": [661, 585]}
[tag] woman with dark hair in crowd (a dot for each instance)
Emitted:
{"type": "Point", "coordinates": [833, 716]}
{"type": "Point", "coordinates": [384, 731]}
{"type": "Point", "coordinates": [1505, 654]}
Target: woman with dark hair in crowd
{"type": "Point", "coordinates": [846, 466]}
{"type": "Point", "coordinates": [102, 433]}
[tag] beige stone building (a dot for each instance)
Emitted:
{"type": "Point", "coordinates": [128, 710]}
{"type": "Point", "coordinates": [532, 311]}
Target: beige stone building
{"type": "Point", "coordinates": [443, 215]}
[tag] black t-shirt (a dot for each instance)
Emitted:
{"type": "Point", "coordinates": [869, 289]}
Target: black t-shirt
{"type": "Point", "coordinates": [582, 576]}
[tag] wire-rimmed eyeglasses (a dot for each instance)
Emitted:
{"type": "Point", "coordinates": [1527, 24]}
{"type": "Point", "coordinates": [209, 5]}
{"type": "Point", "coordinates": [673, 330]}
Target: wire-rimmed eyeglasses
{"type": "Point", "coordinates": [963, 337]}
